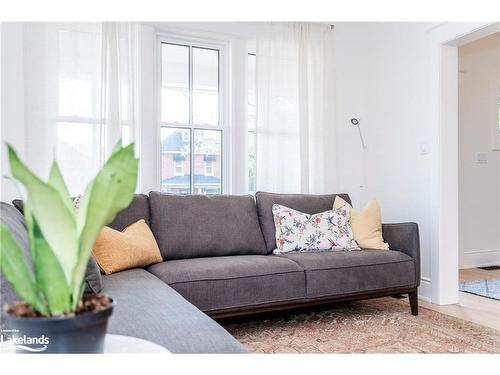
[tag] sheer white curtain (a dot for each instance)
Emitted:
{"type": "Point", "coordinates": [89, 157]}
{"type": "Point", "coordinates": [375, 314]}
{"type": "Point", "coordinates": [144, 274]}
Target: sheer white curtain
{"type": "Point", "coordinates": [80, 95]}
{"type": "Point", "coordinates": [118, 85]}
{"type": "Point", "coordinates": [294, 107]}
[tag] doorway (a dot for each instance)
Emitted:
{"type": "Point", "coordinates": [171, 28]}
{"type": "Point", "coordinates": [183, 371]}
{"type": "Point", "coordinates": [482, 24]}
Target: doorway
{"type": "Point", "coordinates": [445, 40]}
{"type": "Point", "coordinates": [479, 168]}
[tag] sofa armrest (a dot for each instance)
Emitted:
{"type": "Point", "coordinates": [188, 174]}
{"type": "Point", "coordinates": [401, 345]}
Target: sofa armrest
{"type": "Point", "coordinates": [404, 237]}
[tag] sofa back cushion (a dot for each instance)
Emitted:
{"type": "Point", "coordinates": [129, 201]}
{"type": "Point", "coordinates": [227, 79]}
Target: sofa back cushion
{"type": "Point", "coordinates": [192, 226]}
{"type": "Point", "coordinates": [306, 203]}
{"type": "Point", "coordinates": [137, 210]}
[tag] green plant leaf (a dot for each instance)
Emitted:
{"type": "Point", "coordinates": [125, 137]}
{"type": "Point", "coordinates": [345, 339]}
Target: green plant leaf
{"type": "Point", "coordinates": [13, 266]}
{"type": "Point", "coordinates": [81, 216]}
{"type": "Point", "coordinates": [57, 222]}
{"type": "Point", "coordinates": [110, 192]}
{"type": "Point", "coordinates": [50, 276]}
{"type": "Point", "coordinates": [57, 182]}
{"type": "Point", "coordinates": [28, 220]}
{"type": "Point", "coordinates": [84, 202]}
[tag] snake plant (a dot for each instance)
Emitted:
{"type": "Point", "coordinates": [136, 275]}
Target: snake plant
{"type": "Point", "coordinates": [61, 238]}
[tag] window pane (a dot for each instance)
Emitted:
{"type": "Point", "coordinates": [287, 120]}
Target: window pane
{"type": "Point", "coordinates": [207, 162]}
{"type": "Point", "coordinates": [251, 162]}
{"type": "Point", "coordinates": [77, 152]}
{"type": "Point", "coordinates": [251, 84]}
{"type": "Point", "coordinates": [205, 86]}
{"type": "Point", "coordinates": [175, 160]}
{"type": "Point", "coordinates": [174, 83]}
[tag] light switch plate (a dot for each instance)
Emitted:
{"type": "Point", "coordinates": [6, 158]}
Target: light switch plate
{"type": "Point", "coordinates": [424, 148]}
{"type": "Point", "coordinates": [481, 158]}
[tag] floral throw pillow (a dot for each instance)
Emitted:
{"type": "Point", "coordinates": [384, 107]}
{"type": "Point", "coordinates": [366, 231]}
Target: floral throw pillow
{"type": "Point", "coordinates": [297, 231]}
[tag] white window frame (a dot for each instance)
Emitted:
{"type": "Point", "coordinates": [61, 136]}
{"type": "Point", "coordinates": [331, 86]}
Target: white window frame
{"type": "Point", "coordinates": [224, 103]}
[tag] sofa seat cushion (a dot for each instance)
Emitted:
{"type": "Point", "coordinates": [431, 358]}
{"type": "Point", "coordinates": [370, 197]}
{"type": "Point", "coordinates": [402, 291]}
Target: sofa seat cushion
{"type": "Point", "coordinates": [307, 203]}
{"type": "Point", "coordinates": [349, 272]}
{"type": "Point", "coordinates": [193, 226]}
{"type": "Point", "coordinates": [219, 283]}
{"type": "Point", "coordinates": [148, 308]}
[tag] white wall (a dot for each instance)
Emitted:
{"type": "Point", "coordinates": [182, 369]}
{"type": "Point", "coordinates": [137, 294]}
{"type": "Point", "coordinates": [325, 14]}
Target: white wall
{"type": "Point", "coordinates": [383, 73]}
{"type": "Point", "coordinates": [479, 164]}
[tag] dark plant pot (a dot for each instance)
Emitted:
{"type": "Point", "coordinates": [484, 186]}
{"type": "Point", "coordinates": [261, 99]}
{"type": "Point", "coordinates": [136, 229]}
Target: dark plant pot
{"type": "Point", "coordinates": [81, 333]}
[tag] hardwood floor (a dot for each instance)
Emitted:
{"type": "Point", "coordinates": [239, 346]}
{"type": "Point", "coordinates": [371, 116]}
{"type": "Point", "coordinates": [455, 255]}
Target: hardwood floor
{"type": "Point", "coordinates": [480, 310]}
{"type": "Point", "coordinates": [477, 274]}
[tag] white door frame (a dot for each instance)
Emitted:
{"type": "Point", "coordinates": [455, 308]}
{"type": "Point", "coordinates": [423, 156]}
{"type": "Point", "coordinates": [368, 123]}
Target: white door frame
{"type": "Point", "coordinates": [444, 39]}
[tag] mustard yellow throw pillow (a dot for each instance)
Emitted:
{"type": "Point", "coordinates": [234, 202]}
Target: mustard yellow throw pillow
{"type": "Point", "coordinates": [134, 247]}
{"type": "Point", "coordinates": [366, 224]}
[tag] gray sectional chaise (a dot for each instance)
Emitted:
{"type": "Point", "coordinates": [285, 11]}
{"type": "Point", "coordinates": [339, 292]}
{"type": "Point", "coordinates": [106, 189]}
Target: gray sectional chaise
{"type": "Point", "coordinates": [219, 262]}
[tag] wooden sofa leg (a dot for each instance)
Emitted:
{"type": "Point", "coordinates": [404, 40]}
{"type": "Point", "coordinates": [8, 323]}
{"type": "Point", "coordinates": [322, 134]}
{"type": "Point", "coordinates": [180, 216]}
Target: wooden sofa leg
{"type": "Point", "coordinates": [413, 297]}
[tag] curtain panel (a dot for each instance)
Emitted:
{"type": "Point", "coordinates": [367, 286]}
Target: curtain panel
{"type": "Point", "coordinates": [295, 124]}
{"type": "Point", "coordinates": [80, 95]}
{"type": "Point", "coordinates": [118, 108]}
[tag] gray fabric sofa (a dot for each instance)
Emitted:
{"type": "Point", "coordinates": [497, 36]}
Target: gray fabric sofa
{"type": "Point", "coordinates": [219, 262]}
{"type": "Point", "coordinates": [218, 259]}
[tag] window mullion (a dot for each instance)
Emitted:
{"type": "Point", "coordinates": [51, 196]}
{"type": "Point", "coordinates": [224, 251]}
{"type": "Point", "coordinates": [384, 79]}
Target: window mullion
{"type": "Point", "coordinates": [191, 153]}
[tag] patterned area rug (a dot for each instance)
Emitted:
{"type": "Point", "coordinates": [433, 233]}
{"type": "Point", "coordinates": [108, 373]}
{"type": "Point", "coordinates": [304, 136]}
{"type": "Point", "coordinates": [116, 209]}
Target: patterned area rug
{"type": "Point", "coordinates": [382, 325]}
{"type": "Point", "coordinates": [485, 288]}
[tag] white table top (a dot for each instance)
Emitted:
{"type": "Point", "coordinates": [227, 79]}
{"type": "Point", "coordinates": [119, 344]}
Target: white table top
{"type": "Point", "coordinates": [115, 344]}
{"type": "Point", "coordinates": [129, 344]}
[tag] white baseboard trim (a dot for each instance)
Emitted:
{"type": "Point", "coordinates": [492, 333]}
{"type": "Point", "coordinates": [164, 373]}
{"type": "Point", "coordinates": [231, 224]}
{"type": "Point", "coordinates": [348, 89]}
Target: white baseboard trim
{"type": "Point", "coordinates": [424, 290]}
{"type": "Point", "coordinates": [480, 258]}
